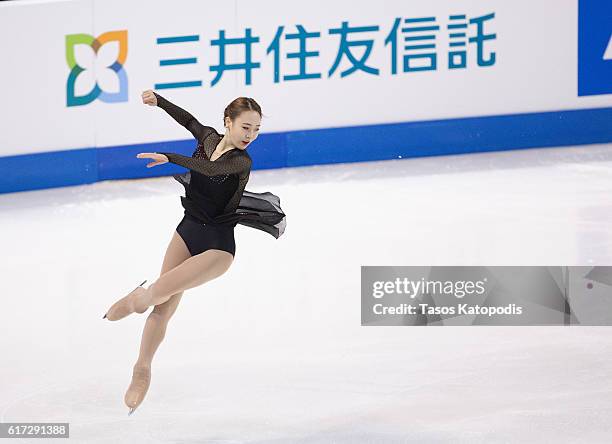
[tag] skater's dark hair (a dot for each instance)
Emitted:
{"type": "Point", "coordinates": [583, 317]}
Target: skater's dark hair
{"type": "Point", "coordinates": [239, 105]}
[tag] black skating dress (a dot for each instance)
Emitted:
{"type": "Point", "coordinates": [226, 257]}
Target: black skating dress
{"type": "Point", "coordinates": [215, 197]}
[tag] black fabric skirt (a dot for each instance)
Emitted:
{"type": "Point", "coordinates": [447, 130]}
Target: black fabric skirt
{"type": "Point", "coordinates": [261, 211]}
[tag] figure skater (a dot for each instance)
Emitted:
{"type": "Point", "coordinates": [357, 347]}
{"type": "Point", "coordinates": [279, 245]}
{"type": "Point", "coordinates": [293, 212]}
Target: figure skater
{"type": "Point", "coordinates": [202, 248]}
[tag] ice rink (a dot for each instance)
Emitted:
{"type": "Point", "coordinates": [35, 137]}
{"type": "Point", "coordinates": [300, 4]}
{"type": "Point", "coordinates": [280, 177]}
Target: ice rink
{"type": "Point", "coordinates": [273, 351]}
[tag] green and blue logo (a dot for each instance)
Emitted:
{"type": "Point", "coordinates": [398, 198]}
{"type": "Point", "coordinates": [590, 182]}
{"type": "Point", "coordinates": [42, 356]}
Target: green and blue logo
{"type": "Point", "coordinates": [116, 66]}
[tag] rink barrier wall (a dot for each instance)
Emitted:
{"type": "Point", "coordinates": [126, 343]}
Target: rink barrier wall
{"type": "Point", "coordinates": [321, 146]}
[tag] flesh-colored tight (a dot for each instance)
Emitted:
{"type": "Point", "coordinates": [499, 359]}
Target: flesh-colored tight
{"type": "Point", "coordinates": [180, 271]}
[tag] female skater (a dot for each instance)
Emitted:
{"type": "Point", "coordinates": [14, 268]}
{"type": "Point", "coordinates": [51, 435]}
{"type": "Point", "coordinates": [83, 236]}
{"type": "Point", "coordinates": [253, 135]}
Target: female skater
{"type": "Point", "coordinates": [202, 248]}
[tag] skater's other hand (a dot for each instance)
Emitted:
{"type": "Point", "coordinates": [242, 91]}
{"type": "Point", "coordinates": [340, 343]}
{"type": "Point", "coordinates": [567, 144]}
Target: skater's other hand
{"type": "Point", "coordinates": [158, 158]}
{"type": "Point", "coordinates": [148, 98]}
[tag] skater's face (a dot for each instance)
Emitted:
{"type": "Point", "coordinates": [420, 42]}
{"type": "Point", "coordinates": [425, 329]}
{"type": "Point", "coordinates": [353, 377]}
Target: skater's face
{"type": "Point", "coordinates": [244, 129]}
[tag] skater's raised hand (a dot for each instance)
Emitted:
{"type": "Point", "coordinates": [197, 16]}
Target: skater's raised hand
{"type": "Point", "coordinates": [158, 158]}
{"type": "Point", "coordinates": [148, 98]}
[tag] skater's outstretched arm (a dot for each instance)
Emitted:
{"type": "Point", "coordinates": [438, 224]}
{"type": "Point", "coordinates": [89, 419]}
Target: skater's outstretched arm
{"type": "Point", "coordinates": [199, 131]}
{"type": "Point", "coordinates": [232, 162]}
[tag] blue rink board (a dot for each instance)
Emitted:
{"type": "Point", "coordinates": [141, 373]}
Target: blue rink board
{"type": "Point", "coordinates": [321, 146]}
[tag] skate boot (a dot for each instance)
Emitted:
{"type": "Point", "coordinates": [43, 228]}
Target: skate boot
{"type": "Point", "coordinates": [125, 306]}
{"type": "Point", "coordinates": [141, 378]}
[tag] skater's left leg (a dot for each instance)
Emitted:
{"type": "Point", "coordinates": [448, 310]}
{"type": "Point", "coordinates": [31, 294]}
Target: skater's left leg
{"type": "Point", "coordinates": [191, 273]}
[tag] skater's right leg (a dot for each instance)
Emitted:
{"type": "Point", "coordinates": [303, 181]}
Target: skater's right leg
{"type": "Point", "coordinates": [157, 321]}
{"type": "Point", "coordinates": [155, 327]}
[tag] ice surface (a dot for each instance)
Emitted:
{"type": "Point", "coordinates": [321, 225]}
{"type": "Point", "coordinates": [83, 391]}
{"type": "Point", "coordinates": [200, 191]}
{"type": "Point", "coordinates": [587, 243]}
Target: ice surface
{"type": "Point", "coordinates": [244, 361]}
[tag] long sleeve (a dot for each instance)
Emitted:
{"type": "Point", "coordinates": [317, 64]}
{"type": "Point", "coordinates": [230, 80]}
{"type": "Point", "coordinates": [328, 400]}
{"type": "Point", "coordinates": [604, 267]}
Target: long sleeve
{"type": "Point", "coordinates": [233, 162]}
{"type": "Point", "coordinates": [199, 131]}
